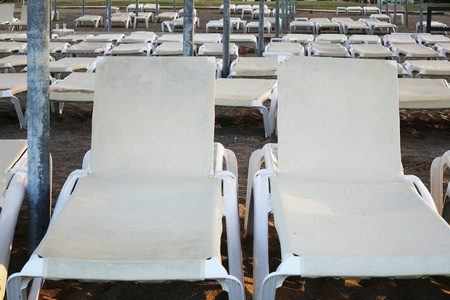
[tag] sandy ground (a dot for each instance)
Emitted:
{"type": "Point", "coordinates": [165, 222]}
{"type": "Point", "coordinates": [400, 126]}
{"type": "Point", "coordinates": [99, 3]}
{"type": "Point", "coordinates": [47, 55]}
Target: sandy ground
{"type": "Point", "coordinates": [425, 134]}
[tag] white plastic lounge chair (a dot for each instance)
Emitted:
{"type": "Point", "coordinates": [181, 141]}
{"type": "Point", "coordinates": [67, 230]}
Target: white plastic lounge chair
{"type": "Point", "coordinates": [9, 63]}
{"type": "Point", "coordinates": [242, 92]}
{"type": "Point", "coordinates": [95, 20]}
{"type": "Point", "coordinates": [169, 49]}
{"type": "Point", "coordinates": [139, 37]}
{"type": "Point", "coordinates": [301, 25]}
{"type": "Point", "coordinates": [73, 38]}
{"type": "Point", "coordinates": [131, 49]}
{"type": "Point", "coordinates": [166, 16]}
{"type": "Point", "coordinates": [235, 23]}
{"type": "Point", "coordinates": [367, 10]}
{"type": "Point", "coordinates": [181, 12]}
{"type": "Point", "coordinates": [55, 48]}
{"type": "Point", "coordinates": [13, 164]}
{"type": "Point", "coordinates": [441, 198]}
{"type": "Point", "coordinates": [19, 23]}
{"type": "Point", "coordinates": [10, 47]}
{"type": "Point", "coordinates": [150, 7]}
{"type": "Point", "coordinates": [371, 51]}
{"type": "Point", "coordinates": [77, 87]}
{"type": "Point", "coordinates": [202, 38]}
{"type": "Point", "coordinates": [433, 24]}
{"type": "Point", "coordinates": [381, 17]}
{"type": "Point", "coordinates": [338, 213]}
{"type": "Point", "coordinates": [255, 67]}
{"type": "Point", "coordinates": [363, 39]}
{"type": "Point", "coordinates": [9, 36]}
{"type": "Point", "coordinates": [177, 23]}
{"type": "Point", "coordinates": [325, 24]}
{"type": "Point", "coordinates": [132, 7]}
{"type": "Point", "coordinates": [376, 26]}
{"type": "Point", "coordinates": [255, 25]}
{"type": "Point", "coordinates": [216, 50]}
{"type": "Point", "coordinates": [283, 48]}
{"type": "Point", "coordinates": [255, 12]}
{"type": "Point", "coordinates": [21, 38]}
{"type": "Point", "coordinates": [246, 40]}
{"type": "Point", "coordinates": [419, 68]}
{"type": "Point", "coordinates": [398, 38]}
{"type": "Point", "coordinates": [298, 38]}
{"type": "Point", "coordinates": [327, 49]}
{"type": "Point", "coordinates": [423, 93]}
{"type": "Point", "coordinates": [443, 48]}
{"type": "Point", "coordinates": [232, 8]}
{"type": "Point", "coordinates": [428, 39]}
{"type": "Point", "coordinates": [72, 64]}
{"type": "Point", "coordinates": [412, 51]}
{"type": "Point", "coordinates": [177, 202]}
{"type": "Point", "coordinates": [144, 16]}
{"type": "Point", "coordinates": [243, 9]}
{"type": "Point", "coordinates": [353, 10]}
{"type": "Point", "coordinates": [169, 38]}
{"type": "Point", "coordinates": [332, 38]}
{"type": "Point", "coordinates": [353, 26]}
{"type": "Point", "coordinates": [10, 85]}
{"type": "Point", "coordinates": [121, 18]}
{"type": "Point", "coordinates": [6, 14]}
{"type": "Point", "coordinates": [88, 49]}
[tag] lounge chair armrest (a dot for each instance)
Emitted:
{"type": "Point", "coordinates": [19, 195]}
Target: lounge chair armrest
{"type": "Point", "coordinates": [67, 190]}
{"type": "Point", "coordinates": [224, 158]}
{"type": "Point", "coordinates": [439, 165]}
{"type": "Point", "coordinates": [423, 191]}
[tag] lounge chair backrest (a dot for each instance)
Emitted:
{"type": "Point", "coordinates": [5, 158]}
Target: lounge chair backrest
{"type": "Point", "coordinates": [168, 95]}
{"type": "Point", "coordinates": [6, 13]}
{"type": "Point", "coordinates": [334, 131]}
{"type": "Point", "coordinates": [23, 14]}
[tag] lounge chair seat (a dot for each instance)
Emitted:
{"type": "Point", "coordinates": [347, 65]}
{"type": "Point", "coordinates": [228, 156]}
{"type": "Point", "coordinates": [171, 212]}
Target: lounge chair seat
{"type": "Point", "coordinates": [325, 24]}
{"type": "Point", "coordinates": [77, 87]}
{"type": "Point", "coordinates": [371, 51]}
{"type": "Point", "coordinates": [431, 39]}
{"type": "Point", "coordinates": [89, 48]}
{"type": "Point", "coordinates": [10, 85]}
{"type": "Point", "coordinates": [166, 16]}
{"type": "Point", "coordinates": [170, 38]}
{"type": "Point", "coordinates": [106, 37]}
{"type": "Point", "coordinates": [131, 49]}
{"type": "Point", "coordinates": [216, 50]}
{"type": "Point", "coordinates": [354, 26]}
{"type": "Point", "coordinates": [246, 40]}
{"type": "Point", "coordinates": [322, 195]}
{"type": "Point", "coordinates": [255, 12]}
{"type": "Point", "coordinates": [433, 24]}
{"type": "Point", "coordinates": [411, 51]}
{"type": "Point", "coordinates": [150, 7]}
{"type": "Point", "coordinates": [232, 8]}
{"type": "Point", "coordinates": [241, 92]}
{"type": "Point", "coordinates": [132, 7]}
{"type": "Point", "coordinates": [94, 19]}
{"type": "Point", "coordinates": [376, 25]}
{"type": "Point", "coordinates": [13, 181]}
{"type": "Point", "coordinates": [255, 25]}
{"type": "Point", "coordinates": [283, 48]}
{"type": "Point", "coordinates": [139, 37]}
{"type": "Point", "coordinates": [177, 23]}
{"type": "Point", "coordinates": [73, 38]}
{"type": "Point", "coordinates": [202, 38]}
{"type": "Point", "coordinates": [255, 67]}
{"type": "Point", "coordinates": [354, 10]}
{"type": "Point", "coordinates": [400, 38]}
{"type": "Point", "coordinates": [6, 14]}
{"type": "Point", "coordinates": [235, 23]}
{"type": "Point", "coordinates": [72, 64]}
{"type": "Point", "coordinates": [363, 39]}
{"type": "Point", "coordinates": [121, 18]}
{"type": "Point", "coordinates": [13, 61]}
{"type": "Point", "coordinates": [55, 48]}
{"type": "Point", "coordinates": [420, 68]}
{"type": "Point", "coordinates": [367, 10]}
{"type": "Point", "coordinates": [178, 202]}
{"type": "Point", "coordinates": [423, 93]}
{"type": "Point", "coordinates": [381, 17]}
{"type": "Point", "coordinates": [22, 22]}
{"type": "Point", "coordinates": [327, 49]}
{"type": "Point", "coordinates": [9, 36]}
{"type": "Point", "coordinates": [10, 47]}
{"type": "Point", "coordinates": [169, 49]}
{"type": "Point", "coordinates": [302, 26]}
{"type": "Point", "coordinates": [145, 16]}
{"type": "Point", "coordinates": [331, 37]}
{"type": "Point", "coordinates": [298, 38]}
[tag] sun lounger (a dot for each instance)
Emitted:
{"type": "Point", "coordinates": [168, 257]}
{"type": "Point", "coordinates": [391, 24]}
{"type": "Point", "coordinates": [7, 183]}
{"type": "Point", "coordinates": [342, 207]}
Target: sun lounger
{"type": "Point", "coordinates": [139, 37]}
{"type": "Point", "coordinates": [241, 92]}
{"type": "Point", "coordinates": [73, 38]}
{"type": "Point", "coordinates": [298, 38]}
{"type": "Point", "coordinates": [235, 23]}
{"type": "Point", "coordinates": [255, 12]}
{"type": "Point", "coordinates": [431, 39]}
{"type": "Point", "coordinates": [245, 40]}
{"type": "Point", "coordinates": [327, 49]}
{"type": "Point", "coordinates": [13, 164]}
{"type": "Point", "coordinates": [353, 10]}
{"type": "Point", "coordinates": [232, 8]}
{"type": "Point", "coordinates": [169, 49]}
{"type": "Point", "coordinates": [371, 51]}
{"type": "Point", "coordinates": [132, 7]}
{"type": "Point", "coordinates": [438, 167]}
{"type": "Point", "coordinates": [255, 25]}
{"type": "Point", "coordinates": [145, 16]}
{"type": "Point", "coordinates": [10, 47]}
{"type": "Point", "coordinates": [331, 37]}
{"type": "Point", "coordinates": [177, 23]}
{"type": "Point", "coordinates": [181, 12]}
{"type": "Point", "coordinates": [433, 24]}
{"type": "Point", "coordinates": [10, 85]}
{"type": "Point", "coordinates": [55, 48]}
{"type": "Point", "coordinates": [283, 48]}
{"type": "Point", "coordinates": [243, 9]}
{"type": "Point", "coordinates": [88, 49]}
{"type": "Point", "coordinates": [381, 17]}
{"type": "Point", "coordinates": [9, 36]}
{"type": "Point", "coordinates": [325, 24]}
{"type": "Point", "coordinates": [321, 195]}
{"type": "Point", "coordinates": [95, 20]}
{"type": "Point", "coordinates": [77, 87]}
{"type": "Point", "coordinates": [216, 50]}
{"type": "Point", "coordinates": [121, 18]}
{"type": "Point", "coordinates": [150, 7]}
{"type": "Point", "coordinates": [367, 10]}
{"type": "Point", "coordinates": [352, 26]}
{"type": "Point", "coordinates": [363, 39]}
{"type": "Point", "coordinates": [255, 67]}
{"type": "Point", "coordinates": [301, 25]}
{"type": "Point", "coordinates": [423, 93]}
{"type": "Point", "coordinates": [72, 64]}
{"type": "Point", "coordinates": [412, 51]}
{"type": "Point", "coordinates": [202, 38]}
{"type": "Point", "coordinates": [131, 49]}
{"type": "Point", "coordinates": [170, 38]}
{"type": "Point", "coordinates": [19, 23]}
{"type": "Point", "coordinates": [177, 201]}
{"type": "Point", "coordinates": [166, 16]}
{"type": "Point", "coordinates": [6, 14]}
{"type": "Point", "coordinates": [443, 48]}
{"type": "Point", "coordinates": [376, 26]}
{"type": "Point", "coordinates": [9, 63]}
{"type": "Point", "coordinates": [420, 68]}
{"type": "Point", "coordinates": [398, 38]}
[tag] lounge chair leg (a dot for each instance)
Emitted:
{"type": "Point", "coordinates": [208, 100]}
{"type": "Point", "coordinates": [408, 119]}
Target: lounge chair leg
{"type": "Point", "coordinates": [215, 271]}
{"type": "Point", "coordinates": [266, 119]}
{"type": "Point", "coordinates": [254, 165]}
{"type": "Point", "coordinates": [19, 112]}
{"type": "Point", "coordinates": [16, 288]}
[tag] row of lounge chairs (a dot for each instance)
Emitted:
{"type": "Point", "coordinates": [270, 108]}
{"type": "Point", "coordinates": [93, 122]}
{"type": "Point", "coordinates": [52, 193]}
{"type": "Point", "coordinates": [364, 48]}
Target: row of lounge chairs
{"type": "Point", "coordinates": [345, 211]}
